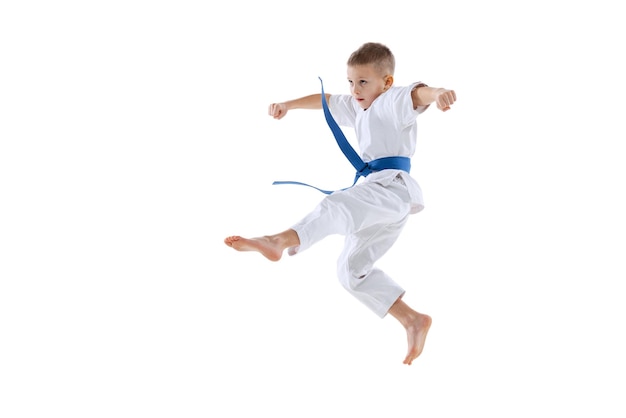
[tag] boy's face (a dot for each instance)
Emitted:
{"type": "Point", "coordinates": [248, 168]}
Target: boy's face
{"type": "Point", "coordinates": [367, 83]}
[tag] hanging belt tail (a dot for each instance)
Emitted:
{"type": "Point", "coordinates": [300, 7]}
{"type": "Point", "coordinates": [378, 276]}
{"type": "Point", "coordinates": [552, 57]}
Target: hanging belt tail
{"type": "Point", "coordinates": [342, 141]}
{"type": "Point", "coordinates": [304, 184]}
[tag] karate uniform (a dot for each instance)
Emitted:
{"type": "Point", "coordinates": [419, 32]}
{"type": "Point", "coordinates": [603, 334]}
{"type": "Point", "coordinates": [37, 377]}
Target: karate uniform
{"type": "Point", "coordinates": [372, 213]}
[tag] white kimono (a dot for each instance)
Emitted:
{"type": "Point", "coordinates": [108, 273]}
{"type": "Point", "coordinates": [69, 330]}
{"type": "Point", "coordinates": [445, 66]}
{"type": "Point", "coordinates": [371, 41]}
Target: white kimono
{"type": "Point", "coordinates": [372, 213]}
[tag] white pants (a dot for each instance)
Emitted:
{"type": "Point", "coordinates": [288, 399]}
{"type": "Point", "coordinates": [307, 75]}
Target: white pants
{"type": "Point", "coordinates": [371, 216]}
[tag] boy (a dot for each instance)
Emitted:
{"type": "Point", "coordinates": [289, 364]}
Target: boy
{"type": "Point", "coordinates": [372, 213]}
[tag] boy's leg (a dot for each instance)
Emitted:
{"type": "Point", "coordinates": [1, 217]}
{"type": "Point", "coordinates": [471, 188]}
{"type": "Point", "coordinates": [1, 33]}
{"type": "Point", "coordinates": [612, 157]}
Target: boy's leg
{"type": "Point", "coordinates": [357, 272]}
{"type": "Point", "coordinates": [270, 246]}
{"type": "Point", "coordinates": [376, 289]}
{"type": "Point", "coordinates": [416, 326]}
{"type": "Point", "coordinates": [327, 218]}
{"type": "Point", "coordinates": [371, 285]}
{"type": "Point", "coordinates": [339, 213]}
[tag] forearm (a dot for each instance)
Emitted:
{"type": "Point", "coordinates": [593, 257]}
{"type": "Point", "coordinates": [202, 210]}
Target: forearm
{"type": "Point", "coordinates": [424, 96]}
{"type": "Point", "coordinates": [314, 101]}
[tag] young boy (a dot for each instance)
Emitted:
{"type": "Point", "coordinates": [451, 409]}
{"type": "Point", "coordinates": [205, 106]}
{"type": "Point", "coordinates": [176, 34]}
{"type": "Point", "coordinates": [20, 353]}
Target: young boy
{"type": "Point", "coordinates": [373, 212]}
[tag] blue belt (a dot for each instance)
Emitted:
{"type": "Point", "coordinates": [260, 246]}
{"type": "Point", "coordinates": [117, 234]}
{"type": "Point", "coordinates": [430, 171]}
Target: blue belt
{"type": "Point", "coordinates": [363, 169]}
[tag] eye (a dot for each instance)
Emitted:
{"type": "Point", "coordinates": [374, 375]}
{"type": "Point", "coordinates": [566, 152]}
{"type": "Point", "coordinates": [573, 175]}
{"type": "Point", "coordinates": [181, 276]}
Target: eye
{"type": "Point", "coordinates": [363, 82]}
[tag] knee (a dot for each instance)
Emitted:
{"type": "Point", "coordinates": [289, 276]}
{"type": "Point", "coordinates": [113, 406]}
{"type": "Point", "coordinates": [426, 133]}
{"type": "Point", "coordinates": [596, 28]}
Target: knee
{"type": "Point", "coordinates": [349, 278]}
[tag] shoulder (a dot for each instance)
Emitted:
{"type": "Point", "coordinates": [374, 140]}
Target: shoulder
{"type": "Point", "coordinates": [399, 101]}
{"type": "Point", "coordinates": [400, 95]}
{"type": "Point", "coordinates": [408, 88]}
{"type": "Point", "coordinates": [345, 101]}
{"type": "Point", "coordinates": [341, 98]}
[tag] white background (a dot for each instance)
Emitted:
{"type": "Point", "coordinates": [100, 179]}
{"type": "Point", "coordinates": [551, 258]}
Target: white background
{"type": "Point", "coordinates": [134, 137]}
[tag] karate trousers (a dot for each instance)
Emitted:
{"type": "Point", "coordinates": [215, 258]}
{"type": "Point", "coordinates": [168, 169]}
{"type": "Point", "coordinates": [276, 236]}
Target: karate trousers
{"type": "Point", "coordinates": [371, 216]}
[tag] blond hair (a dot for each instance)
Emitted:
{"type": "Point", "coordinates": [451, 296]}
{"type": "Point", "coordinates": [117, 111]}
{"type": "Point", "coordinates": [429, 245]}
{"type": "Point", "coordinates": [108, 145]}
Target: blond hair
{"type": "Point", "coordinates": [376, 54]}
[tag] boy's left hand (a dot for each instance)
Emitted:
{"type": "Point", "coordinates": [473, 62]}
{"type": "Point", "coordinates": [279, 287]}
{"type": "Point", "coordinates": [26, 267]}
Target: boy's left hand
{"type": "Point", "coordinates": [445, 98]}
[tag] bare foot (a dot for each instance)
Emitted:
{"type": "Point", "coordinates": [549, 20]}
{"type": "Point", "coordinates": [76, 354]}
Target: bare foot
{"type": "Point", "coordinates": [416, 332]}
{"type": "Point", "coordinates": [267, 246]}
{"type": "Point", "coordinates": [416, 326]}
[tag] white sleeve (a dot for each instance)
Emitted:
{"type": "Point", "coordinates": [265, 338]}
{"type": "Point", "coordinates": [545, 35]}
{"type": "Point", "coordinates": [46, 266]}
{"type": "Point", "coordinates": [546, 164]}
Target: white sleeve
{"type": "Point", "coordinates": [342, 108]}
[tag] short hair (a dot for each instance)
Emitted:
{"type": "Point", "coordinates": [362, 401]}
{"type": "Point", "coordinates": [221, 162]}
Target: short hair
{"type": "Point", "coordinates": [376, 54]}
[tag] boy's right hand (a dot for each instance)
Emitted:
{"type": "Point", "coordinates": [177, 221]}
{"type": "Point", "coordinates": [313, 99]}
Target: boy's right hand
{"type": "Point", "coordinates": [277, 110]}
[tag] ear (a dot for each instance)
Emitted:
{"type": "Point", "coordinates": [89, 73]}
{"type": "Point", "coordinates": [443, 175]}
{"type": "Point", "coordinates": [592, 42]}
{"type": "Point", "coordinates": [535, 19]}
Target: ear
{"type": "Point", "coordinates": [388, 81]}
